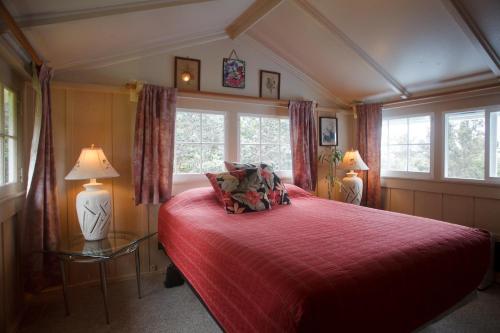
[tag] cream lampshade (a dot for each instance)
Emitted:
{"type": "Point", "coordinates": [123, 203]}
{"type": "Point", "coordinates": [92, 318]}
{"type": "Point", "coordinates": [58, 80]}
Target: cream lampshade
{"type": "Point", "coordinates": [93, 206]}
{"type": "Point", "coordinates": [352, 184]}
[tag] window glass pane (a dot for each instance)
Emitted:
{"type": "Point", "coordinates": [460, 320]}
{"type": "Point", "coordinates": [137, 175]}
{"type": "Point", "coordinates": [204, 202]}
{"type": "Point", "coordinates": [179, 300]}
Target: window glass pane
{"type": "Point", "coordinates": [419, 130]}
{"type": "Point", "coordinates": [285, 131]}
{"type": "Point", "coordinates": [187, 158]}
{"type": "Point", "coordinates": [213, 128]}
{"type": "Point", "coordinates": [385, 132]}
{"type": "Point", "coordinates": [249, 129]}
{"type": "Point", "coordinates": [249, 153]}
{"type": "Point", "coordinates": [397, 157]}
{"type": "Point", "coordinates": [286, 157]}
{"type": "Point", "coordinates": [9, 112]}
{"type": "Point", "coordinates": [465, 145]}
{"type": "Point", "coordinates": [419, 157]}
{"type": "Point", "coordinates": [398, 131]}
{"type": "Point", "coordinates": [212, 157]}
{"type": "Point", "coordinates": [270, 130]}
{"type": "Point", "coordinates": [2, 162]}
{"type": "Point", "coordinates": [495, 144]}
{"type": "Point", "coordinates": [188, 127]}
{"type": "Point", "coordinates": [271, 155]}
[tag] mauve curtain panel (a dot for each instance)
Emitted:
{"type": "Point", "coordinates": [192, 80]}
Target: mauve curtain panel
{"type": "Point", "coordinates": [369, 121]}
{"type": "Point", "coordinates": [41, 216]}
{"type": "Point", "coordinates": [154, 144]}
{"type": "Point", "coordinates": [303, 137]}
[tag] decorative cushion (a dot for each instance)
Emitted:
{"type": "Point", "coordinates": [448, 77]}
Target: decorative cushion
{"type": "Point", "coordinates": [240, 191]}
{"type": "Point", "coordinates": [275, 189]}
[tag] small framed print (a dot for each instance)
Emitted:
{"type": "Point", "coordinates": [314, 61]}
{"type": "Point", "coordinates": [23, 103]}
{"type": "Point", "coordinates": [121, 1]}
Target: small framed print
{"type": "Point", "coordinates": [269, 84]}
{"type": "Point", "coordinates": [187, 74]}
{"type": "Point", "coordinates": [328, 131]}
{"type": "Point", "coordinates": [233, 73]}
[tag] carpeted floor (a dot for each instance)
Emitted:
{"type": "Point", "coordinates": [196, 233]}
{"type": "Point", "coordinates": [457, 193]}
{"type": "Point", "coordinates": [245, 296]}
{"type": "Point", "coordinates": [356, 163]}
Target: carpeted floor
{"type": "Point", "coordinates": [178, 310]}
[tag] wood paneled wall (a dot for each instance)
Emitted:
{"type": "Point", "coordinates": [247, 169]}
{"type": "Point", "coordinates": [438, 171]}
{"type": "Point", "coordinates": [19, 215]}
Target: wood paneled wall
{"type": "Point", "coordinates": [104, 117]}
{"type": "Point", "coordinates": [469, 205]}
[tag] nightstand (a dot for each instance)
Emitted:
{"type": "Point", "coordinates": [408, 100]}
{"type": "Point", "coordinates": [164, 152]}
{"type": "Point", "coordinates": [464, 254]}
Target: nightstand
{"type": "Point", "coordinates": [117, 244]}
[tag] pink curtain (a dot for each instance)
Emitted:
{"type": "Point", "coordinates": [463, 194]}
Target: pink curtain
{"type": "Point", "coordinates": [154, 144]}
{"type": "Point", "coordinates": [304, 138]}
{"type": "Point", "coordinates": [41, 217]}
{"type": "Point", "coordinates": [369, 121]}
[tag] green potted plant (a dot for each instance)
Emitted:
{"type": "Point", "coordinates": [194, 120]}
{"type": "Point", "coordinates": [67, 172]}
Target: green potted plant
{"type": "Point", "coordinates": [331, 157]}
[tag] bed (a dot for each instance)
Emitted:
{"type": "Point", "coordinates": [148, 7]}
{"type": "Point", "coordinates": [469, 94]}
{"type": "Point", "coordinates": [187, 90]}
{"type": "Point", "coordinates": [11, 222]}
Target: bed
{"type": "Point", "coordinates": [319, 265]}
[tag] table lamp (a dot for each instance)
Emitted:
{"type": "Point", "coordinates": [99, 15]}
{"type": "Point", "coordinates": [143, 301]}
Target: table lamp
{"type": "Point", "coordinates": [93, 205]}
{"type": "Point", "coordinates": [352, 184]}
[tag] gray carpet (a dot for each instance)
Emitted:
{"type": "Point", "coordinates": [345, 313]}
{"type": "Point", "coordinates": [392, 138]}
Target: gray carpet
{"type": "Point", "coordinates": [178, 310]}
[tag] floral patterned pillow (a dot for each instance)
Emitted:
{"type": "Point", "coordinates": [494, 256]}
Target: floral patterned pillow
{"type": "Point", "coordinates": [275, 189]}
{"type": "Point", "coordinates": [240, 191]}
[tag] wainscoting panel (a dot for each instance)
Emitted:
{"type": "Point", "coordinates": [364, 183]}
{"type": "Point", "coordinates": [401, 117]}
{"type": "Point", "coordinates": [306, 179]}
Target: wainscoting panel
{"type": "Point", "coordinates": [429, 205]}
{"type": "Point", "coordinates": [487, 214]}
{"type": "Point", "coordinates": [458, 209]}
{"type": "Point", "coordinates": [469, 205]}
{"type": "Point", "coordinates": [401, 201]}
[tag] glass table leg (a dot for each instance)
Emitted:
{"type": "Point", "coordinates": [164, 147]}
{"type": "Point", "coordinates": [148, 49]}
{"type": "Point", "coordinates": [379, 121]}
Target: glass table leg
{"type": "Point", "coordinates": [65, 291]}
{"type": "Point", "coordinates": [104, 288]}
{"type": "Point", "coordinates": [138, 271]}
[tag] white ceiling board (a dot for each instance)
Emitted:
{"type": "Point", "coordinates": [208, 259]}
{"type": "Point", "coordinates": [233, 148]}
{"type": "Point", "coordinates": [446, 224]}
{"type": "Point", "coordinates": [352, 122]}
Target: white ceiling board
{"type": "Point", "coordinates": [415, 41]}
{"type": "Point", "coordinates": [486, 14]}
{"type": "Point", "coordinates": [35, 7]}
{"type": "Point", "coordinates": [318, 53]}
{"type": "Point", "coordinates": [84, 40]}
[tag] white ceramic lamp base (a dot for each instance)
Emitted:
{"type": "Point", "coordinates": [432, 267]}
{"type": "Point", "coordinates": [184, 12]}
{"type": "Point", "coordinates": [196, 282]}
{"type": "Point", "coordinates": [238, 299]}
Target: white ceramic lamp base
{"type": "Point", "coordinates": [352, 188]}
{"type": "Point", "coordinates": [93, 207]}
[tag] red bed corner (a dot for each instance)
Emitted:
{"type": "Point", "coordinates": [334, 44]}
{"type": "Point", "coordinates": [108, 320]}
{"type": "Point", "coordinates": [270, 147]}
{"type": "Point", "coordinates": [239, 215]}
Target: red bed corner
{"type": "Point", "coordinates": [319, 265]}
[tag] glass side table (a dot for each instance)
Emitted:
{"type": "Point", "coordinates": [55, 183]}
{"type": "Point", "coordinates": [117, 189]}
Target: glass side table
{"type": "Point", "coordinates": [115, 245]}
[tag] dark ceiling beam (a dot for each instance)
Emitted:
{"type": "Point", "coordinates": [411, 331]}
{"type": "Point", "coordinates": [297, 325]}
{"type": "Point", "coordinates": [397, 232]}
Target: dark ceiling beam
{"type": "Point", "coordinates": [308, 8]}
{"type": "Point", "coordinates": [465, 20]}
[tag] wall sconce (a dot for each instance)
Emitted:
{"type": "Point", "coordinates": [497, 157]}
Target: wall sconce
{"type": "Point", "coordinates": [186, 76]}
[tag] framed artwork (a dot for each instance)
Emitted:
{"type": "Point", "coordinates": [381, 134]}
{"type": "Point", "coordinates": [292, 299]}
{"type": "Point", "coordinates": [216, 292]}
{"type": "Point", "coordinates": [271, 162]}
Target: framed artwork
{"type": "Point", "coordinates": [187, 74]}
{"type": "Point", "coordinates": [233, 71]}
{"type": "Point", "coordinates": [328, 131]}
{"type": "Point", "coordinates": [269, 84]}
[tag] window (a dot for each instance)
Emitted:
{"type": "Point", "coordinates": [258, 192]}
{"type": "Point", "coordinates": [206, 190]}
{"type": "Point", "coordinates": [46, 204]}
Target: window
{"type": "Point", "coordinates": [8, 139]}
{"type": "Point", "coordinates": [406, 146]}
{"type": "Point", "coordinates": [266, 139]}
{"type": "Point", "coordinates": [495, 144]}
{"type": "Point", "coordinates": [199, 142]}
{"type": "Point", "coordinates": [465, 145]}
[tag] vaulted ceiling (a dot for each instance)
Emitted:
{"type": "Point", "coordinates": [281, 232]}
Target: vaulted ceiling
{"type": "Point", "coordinates": [357, 49]}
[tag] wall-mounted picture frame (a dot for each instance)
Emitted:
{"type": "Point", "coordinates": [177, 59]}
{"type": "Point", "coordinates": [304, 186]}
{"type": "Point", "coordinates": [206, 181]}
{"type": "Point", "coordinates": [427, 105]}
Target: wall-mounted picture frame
{"type": "Point", "coordinates": [233, 71]}
{"type": "Point", "coordinates": [187, 74]}
{"type": "Point", "coordinates": [328, 131]}
{"type": "Point", "coordinates": [269, 84]}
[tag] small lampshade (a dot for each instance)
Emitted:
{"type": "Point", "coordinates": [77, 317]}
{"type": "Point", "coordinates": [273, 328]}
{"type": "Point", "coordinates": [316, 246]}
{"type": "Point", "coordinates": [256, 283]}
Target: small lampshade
{"type": "Point", "coordinates": [92, 163]}
{"type": "Point", "coordinates": [353, 161]}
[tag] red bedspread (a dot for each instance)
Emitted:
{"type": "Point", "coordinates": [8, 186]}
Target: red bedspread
{"type": "Point", "coordinates": [320, 265]}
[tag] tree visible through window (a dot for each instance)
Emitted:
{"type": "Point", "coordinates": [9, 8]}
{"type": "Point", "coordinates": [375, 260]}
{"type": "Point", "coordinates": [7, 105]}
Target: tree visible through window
{"type": "Point", "coordinates": [465, 145]}
{"type": "Point", "coordinates": [199, 142]}
{"type": "Point", "coordinates": [8, 138]}
{"type": "Point", "coordinates": [266, 139]}
{"type": "Point", "coordinates": [406, 144]}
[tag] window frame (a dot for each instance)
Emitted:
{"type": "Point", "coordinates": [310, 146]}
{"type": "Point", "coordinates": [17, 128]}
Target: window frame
{"type": "Point", "coordinates": [10, 188]}
{"type": "Point", "coordinates": [413, 174]}
{"type": "Point", "coordinates": [281, 173]}
{"type": "Point", "coordinates": [186, 176]}
{"type": "Point", "coordinates": [488, 179]}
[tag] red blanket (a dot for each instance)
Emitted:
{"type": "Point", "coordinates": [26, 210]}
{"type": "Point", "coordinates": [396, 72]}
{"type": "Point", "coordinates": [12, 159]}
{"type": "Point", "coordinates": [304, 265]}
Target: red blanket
{"type": "Point", "coordinates": [320, 265]}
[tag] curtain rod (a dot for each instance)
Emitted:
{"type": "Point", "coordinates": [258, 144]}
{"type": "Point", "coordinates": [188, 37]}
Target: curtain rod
{"type": "Point", "coordinates": [453, 92]}
{"type": "Point", "coordinates": [18, 34]}
{"type": "Point", "coordinates": [201, 94]}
